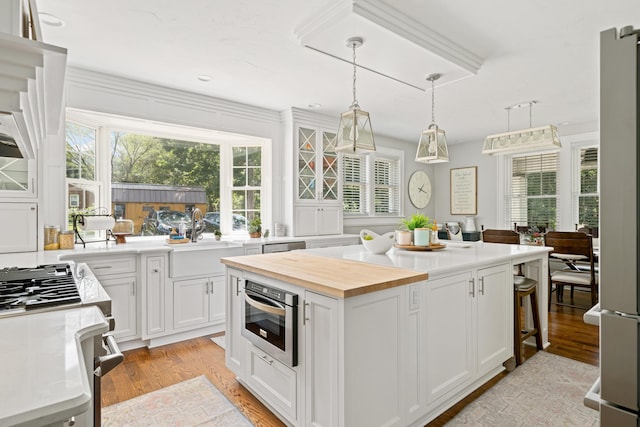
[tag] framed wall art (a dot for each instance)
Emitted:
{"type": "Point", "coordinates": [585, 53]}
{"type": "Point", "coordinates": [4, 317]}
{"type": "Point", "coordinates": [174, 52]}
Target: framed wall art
{"type": "Point", "coordinates": [464, 191]}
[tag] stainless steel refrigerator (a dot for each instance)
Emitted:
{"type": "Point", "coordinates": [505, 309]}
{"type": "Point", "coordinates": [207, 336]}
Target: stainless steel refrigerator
{"type": "Point", "coordinates": [619, 216]}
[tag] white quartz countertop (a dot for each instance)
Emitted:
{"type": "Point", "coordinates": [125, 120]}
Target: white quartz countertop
{"type": "Point", "coordinates": [44, 378]}
{"type": "Point", "coordinates": [454, 257]}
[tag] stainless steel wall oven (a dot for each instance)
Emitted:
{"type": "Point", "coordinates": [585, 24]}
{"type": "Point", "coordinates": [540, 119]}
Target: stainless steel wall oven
{"type": "Point", "coordinates": [271, 321]}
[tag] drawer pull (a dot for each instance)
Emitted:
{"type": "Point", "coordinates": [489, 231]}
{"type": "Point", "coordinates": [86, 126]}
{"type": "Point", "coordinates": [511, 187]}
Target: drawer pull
{"type": "Point", "coordinates": [266, 359]}
{"type": "Point", "coordinates": [101, 267]}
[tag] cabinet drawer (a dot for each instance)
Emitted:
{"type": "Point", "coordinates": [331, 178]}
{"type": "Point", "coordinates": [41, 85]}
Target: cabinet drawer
{"type": "Point", "coordinates": [274, 382]}
{"type": "Point", "coordinates": [112, 265]}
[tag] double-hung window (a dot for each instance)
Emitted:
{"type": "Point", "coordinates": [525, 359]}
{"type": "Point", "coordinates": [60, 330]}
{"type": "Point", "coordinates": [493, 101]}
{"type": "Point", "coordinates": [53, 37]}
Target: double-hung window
{"type": "Point", "coordinates": [371, 183]}
{"type": "Point", "coordinates": [532, 199]}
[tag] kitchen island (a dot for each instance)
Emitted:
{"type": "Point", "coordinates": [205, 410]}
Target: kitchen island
{"type": "Point", "coordinates": [395, 347]}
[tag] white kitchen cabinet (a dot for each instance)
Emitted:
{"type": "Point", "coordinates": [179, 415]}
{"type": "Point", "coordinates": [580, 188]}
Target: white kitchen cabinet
{"type": "Point", "coordinates": [123, 293]}
{"type": "Point", "coordinates": [318, 220]}
{"type": "Point", "coordinates": [449, 325]}
{"type": "Point", "coordinates": [235, 343]}
{"type": "Point", "coordinates": [276, 383]}
{"type": "Point", "coordinates": [21, 223]}
{"type": "Point", "coordinates": [198, 302]}
{"type": "Point", "coordinates": [320, 320]}
{"type": "Point", "coordinates": [314, 167]}
{"type": "Point", "coordinates": [494, 319]}
{"type": "Point", "coordinates": [470, 314]}
{"type": "Point", "coordinates": [17, 177]}
{"type": "Point", "coordinates": [154, 296]}
{"type": "Point", "coordinates": [119, 278]}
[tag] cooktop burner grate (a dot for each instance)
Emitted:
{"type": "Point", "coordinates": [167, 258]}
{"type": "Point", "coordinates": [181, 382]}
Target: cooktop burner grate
{"type": "Point", "coordinates": [40, 287]}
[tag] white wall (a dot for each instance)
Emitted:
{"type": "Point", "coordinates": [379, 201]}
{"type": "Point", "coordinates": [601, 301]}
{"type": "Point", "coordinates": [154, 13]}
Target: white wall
{"type": "Point", "coordinates": [465, 155]}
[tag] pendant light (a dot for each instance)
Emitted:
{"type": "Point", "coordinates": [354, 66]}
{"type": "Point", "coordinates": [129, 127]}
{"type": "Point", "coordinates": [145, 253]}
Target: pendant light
{"type": "Point", "coordinates": [432, 147]}
{"type": "Point", "coordinates": [525, 140]}
{"type": "Point", "coordinates": [354, 131]}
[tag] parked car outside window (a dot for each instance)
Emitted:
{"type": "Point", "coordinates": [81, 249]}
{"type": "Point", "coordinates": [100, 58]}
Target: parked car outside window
{"type": "Point", "coordinates": [161, 223]}
{"type": "Point", "coordinates": [212, 222]}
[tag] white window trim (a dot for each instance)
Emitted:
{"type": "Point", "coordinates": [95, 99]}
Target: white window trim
{"type": "Point", "coordinates": [105, 123]}
{"type": "Point", "coordinates": [373, 219]}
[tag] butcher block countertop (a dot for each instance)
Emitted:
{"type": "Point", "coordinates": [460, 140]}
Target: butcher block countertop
{"type": "Point", "coordinates": [336, 277]}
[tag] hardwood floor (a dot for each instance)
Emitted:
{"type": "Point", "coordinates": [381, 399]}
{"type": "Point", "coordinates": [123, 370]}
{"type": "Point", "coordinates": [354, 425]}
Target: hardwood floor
{"type": "Point", "coordinates": [145, 370]}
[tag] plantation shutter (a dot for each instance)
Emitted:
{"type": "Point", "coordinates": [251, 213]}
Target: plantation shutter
{"type": "Point", "coordinates": [588, 198]}
{"type": "Point", "coordinates": [354, 185]}
{"type": "Point", "coordinates": [386, 187]}
{"type": "Point", "coordinates": [533, 198]}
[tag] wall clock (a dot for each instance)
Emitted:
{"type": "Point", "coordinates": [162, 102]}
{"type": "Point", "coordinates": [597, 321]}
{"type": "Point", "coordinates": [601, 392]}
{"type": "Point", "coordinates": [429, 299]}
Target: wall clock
{"type": "Point", "coordinates": [419, 189]}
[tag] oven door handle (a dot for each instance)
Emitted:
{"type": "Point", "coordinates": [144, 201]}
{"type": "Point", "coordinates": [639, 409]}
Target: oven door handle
{"type": "Point", "coordinates": [113, 359]}
{"type": "Point", "coordinates": [278, 311]}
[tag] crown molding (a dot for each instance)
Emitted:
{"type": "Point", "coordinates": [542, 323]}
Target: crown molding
{"type": "Point", "coordinates": [407, 27]}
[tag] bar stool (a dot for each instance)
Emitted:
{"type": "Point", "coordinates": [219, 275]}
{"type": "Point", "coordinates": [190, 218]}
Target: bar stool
{"type": "Point", "coordinates": [522, 287]}
{"type": "Point", "coordinates": [525, 287]}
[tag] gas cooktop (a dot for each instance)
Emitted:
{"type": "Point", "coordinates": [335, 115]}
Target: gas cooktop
{"type": "Point", "coordinates": [34, 288]}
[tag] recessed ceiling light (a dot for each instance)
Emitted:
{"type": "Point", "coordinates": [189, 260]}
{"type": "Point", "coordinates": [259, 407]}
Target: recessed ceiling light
{"type": "Point", "coordinates": [204, 77]}
{"type": "Point", "coordinates": [315, 105]}
{"type": "Point", "coordinates": [51, 20]}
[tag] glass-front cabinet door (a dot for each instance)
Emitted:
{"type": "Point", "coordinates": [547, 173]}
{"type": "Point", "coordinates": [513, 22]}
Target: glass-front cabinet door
{"type": "Point", "coordinates": [317, 165]}
{"type": "Point", "coordinates": [16, 177]}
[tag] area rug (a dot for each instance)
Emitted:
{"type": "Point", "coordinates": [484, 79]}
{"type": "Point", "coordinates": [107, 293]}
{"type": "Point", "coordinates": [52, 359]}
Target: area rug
{"type": "Point", "coordinates": [546, 390]}
{"type": "Point", "coordinates": [195, 402]}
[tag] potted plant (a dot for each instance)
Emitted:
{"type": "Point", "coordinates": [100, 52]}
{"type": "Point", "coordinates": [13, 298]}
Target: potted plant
{"type": "Point", "coordinates": [217, 233]}
{"type": "Point", "coordinates": [417, 220]}
{"type": "Point", "coordinates": [255, 227]}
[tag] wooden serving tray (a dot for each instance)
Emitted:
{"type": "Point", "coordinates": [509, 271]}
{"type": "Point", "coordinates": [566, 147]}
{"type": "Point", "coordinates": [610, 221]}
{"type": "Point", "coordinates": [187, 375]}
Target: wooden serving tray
{"type": "Point", "coordinates": [173, 241]}
{"type": "Point", "coordinates": [433, 247]}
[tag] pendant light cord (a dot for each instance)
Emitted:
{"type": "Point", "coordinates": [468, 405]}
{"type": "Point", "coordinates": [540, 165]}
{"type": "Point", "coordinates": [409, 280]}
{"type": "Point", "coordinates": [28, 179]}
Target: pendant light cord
{"type": "Point", "coordinates": [355, 101]}
{"type": "Point", "coordinates": [433, 102]}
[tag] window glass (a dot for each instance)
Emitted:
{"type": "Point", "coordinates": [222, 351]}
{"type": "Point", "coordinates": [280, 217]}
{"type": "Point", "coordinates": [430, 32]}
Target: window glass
{"type": "Point", "coordinates": [157, 178]}
{"type": "Point", "coordinates": [533, 198]}
{"type": "Point", "coordinates": [588, 198]}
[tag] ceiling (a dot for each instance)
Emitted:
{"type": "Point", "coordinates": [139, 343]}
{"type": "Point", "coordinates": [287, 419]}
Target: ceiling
{"type": "Point", "coordinates": [266, 53]}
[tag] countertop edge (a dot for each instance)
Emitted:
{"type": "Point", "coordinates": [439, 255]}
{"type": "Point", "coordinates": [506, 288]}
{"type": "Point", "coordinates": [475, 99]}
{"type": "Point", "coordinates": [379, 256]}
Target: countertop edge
{"type": "Point", "coordinates": [412, 277]}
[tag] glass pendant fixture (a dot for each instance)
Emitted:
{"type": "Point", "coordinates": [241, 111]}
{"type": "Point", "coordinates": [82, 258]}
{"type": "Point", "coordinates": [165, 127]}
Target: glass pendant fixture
{"type": "Point", "coordinates": [543, 138]}
{"type": "Point", "coordinates": [354, 131]}
{"type": "Point", "coordinates": [432, 147]}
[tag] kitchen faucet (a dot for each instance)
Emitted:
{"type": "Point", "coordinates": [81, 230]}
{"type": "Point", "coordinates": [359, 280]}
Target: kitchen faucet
{"type": "Point", "coordinates": [194, 235]}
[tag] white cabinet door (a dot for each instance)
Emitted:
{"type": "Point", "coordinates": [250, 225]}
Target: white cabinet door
{"type": "Point", "coordinates": [20, 229]}
{"type": "Point", "coordinates": [330, 220]}
{"type": "Point", "coordinates": [306, 218]}
{"type": "Point", "coordinates": [494, 322]}
{"type": "Point", "coordinates": [321, 360]}
{"type": "Point", "coordinates": [449, 317]}
{"type": "Point", "coordinates": [236, 344]}
{"type": "Point", "coordinates": [154, 297]}
{"type": "Point", "coordinates": [216, 299]}
{"type": "Point", "coordinates": [317, 165]}
{"type": "Point", "coordinates": [190, 302]}
{"type": "Point", "coordinates": [123, 305]}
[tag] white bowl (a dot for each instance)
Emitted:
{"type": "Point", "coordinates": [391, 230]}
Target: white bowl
{"type": "Point", "coordinates": [379, 244]}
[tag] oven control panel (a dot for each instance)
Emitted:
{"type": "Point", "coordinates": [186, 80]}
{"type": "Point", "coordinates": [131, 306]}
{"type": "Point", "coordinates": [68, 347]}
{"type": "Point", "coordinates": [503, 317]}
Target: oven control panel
{"type": "Point", "coordinates": [277, 294]}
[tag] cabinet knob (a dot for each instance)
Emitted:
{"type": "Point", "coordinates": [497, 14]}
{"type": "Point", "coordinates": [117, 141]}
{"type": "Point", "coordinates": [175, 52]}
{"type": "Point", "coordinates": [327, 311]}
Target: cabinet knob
{"type": "Point", "coordinates": [155, 270]}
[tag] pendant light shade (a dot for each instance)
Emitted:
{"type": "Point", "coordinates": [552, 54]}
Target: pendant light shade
{"type": "Point", "coordinates": [522, 141]}
{"type": "Point", "coordinates": [354, 131]}
{"type": "Point", "coordinates": [432, 147]}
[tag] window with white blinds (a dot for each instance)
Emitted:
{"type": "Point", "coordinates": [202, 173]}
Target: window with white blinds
{"type": "Point", "coordinates": [533, 197]}
{"type": "Point", "coordinates": [588, 196]}
{"type": "Point", "coordinates": [354, 185]}
{"type": "Point", "coordinates": [371, 185]}
{"type": "Point", "coordinates": [386, 194]}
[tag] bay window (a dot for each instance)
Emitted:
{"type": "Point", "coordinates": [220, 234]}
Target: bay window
{"type": "Point", "coordinates": [135, 169]}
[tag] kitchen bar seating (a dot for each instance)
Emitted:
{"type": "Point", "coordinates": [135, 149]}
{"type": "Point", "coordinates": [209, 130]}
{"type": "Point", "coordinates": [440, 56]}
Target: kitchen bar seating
{"type": "Point", "coordinates": [572, 248]}
{"type": "Point", "coordinates": [522, 287]}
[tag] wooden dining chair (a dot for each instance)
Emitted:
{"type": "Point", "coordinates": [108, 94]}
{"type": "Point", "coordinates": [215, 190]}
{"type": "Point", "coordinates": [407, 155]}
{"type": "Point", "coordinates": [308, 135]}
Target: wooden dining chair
{"type": "Point", "coordinates": [522, 287]}
{"type": "Point", "coordinates": [572, 248]}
